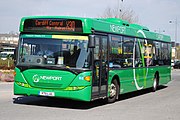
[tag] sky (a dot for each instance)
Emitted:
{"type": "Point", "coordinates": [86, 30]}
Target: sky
{"type": "Point", "coordinates": [154, 14]}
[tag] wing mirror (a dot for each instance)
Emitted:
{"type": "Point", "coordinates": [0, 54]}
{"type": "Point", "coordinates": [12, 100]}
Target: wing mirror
{"type": "Point", "coordinates": [91, 43]}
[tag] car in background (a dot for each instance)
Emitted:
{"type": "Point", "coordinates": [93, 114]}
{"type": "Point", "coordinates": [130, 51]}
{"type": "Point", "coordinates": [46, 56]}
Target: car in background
{"type": "Point", "coordinates": [172, 63]}
{"type": "Point", "coordinates": [3, 56]}
{"type": "Point", "coordinates": [7, 53]}
{"type": "Point", "coordinates": [177, 65]}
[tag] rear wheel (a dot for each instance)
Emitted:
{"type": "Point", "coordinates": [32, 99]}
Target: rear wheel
{"type": "Point", "coordinates": [155, 83]}
{"type": "Point", "coordinates": [114, 91]}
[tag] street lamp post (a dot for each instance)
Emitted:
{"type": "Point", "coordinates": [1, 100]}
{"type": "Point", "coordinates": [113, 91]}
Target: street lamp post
{"type": "Point", "coordinates": [119, 9]}
{"type": "Point", "coordinates": [175, 37]}
{"type": "Point", "coordinates": [176, 28]}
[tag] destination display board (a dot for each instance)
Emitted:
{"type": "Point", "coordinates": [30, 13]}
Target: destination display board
{"type": "Point", "coordinates": [52, 25]}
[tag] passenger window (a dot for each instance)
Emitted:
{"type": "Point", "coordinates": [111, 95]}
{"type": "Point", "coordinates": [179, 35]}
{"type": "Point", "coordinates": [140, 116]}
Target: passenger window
{"type": "Point", "coordinates": [116, 54]}
{"type": "Point", "coordinates": [138, 58]}
{"type": "Point", "coordinates": [147, 49]}
{"type": "Point", "coordinates": [128, 46]}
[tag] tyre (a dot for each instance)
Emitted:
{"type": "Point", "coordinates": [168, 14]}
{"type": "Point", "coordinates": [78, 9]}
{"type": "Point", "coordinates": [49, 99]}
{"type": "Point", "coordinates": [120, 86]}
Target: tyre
{"type": "Point", "coordinates": [114, 91]}
{"type": "Point", "coordinates": [155, 83]}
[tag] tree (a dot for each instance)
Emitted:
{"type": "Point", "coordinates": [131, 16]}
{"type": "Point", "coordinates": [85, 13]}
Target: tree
{"type": "Point", "coordinates": [124, 13]}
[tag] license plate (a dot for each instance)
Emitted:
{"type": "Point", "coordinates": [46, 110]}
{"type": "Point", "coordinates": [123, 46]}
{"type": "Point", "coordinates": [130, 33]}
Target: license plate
{"type": "Point", "coordinates": [46, 93]}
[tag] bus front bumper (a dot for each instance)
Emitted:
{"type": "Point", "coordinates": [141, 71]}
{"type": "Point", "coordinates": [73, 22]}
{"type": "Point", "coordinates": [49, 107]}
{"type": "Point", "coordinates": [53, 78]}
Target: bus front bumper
{"type": "Point", "coordinates": [82, 95]}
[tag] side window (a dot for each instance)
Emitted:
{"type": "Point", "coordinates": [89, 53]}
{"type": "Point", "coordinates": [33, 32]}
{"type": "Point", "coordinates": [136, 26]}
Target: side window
{"type": "Point", "coordinates": [169, 54]}
{"type": "Point", "coordinates": [121, 55]}
{"type": "Point", "coordinates": [162, 53]}
{"type": "Point", "coordinates": [116, 53]}
{"type": "Point", "coordinates": [165, 53]}
{"type": "Point", "coordinates": [128, 46]}
{"type": "Point", "coordinates": [148, 52]}
{"type": "Point", "coordinates": [138, 57]}
{"type": "Point", "coordinates": [157, 56]}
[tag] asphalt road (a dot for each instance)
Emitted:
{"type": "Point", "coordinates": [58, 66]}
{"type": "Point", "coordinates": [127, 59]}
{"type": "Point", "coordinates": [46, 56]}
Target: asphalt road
{"type": "Point", "coordinates": [143, 105]}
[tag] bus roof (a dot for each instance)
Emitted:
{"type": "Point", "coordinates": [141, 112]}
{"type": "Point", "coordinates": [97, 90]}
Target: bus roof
{"type": "Point", "coordinates": [79, 25]}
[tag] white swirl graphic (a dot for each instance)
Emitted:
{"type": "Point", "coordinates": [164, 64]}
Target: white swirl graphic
{"type": "Point", "coordinates": [134, 70]}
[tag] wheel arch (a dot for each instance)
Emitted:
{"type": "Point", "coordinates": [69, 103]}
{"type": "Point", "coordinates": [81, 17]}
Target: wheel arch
{"type": "Point", "coordinates": [155, 81]}
{"type": "Point", "coordinates": [157, 73]}
{"type": "Point", "coordinates": [117, 78]}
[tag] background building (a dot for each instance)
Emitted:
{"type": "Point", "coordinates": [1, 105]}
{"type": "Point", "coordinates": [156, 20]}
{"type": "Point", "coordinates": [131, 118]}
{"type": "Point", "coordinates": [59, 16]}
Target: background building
{"type": "Point", "coordinates": [175, 51]}
{"type": "Point", "coordinates": [8, 40]}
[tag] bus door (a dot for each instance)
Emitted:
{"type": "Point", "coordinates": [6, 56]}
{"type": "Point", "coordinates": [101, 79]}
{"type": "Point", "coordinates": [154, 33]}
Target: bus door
{"type": "Point", "coordinates": [100, 68]}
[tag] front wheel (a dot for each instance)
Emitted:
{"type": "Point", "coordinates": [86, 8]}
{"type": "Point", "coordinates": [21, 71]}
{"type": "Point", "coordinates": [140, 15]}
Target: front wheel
{"type": "Point", "coordinates": [114, 91]}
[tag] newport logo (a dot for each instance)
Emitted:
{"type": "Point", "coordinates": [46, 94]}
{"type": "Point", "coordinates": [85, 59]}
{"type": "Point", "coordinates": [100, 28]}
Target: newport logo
{"type": "Point", "coordinates": [117, 29]}
{"type": "Point", "coordinates": [37, 78]}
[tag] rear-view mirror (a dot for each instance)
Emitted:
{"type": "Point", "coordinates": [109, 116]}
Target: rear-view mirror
{"type": "Point", "coordinates": [91, 43]}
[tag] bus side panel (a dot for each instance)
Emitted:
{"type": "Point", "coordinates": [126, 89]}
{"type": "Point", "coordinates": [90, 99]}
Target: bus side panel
{"type": "Point", "coordinates": [145, 80]}
{"type": "Point", "coordinates": [150, 72]}
{"type": "Point", "coordinates": [164, 74]}
{"type": "Point", "coordinates": [126, 80]}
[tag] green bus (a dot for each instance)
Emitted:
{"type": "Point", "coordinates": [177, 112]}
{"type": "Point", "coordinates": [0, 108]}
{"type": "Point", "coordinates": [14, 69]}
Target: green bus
{"type": "Point", "coordinates": [88, 58]}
